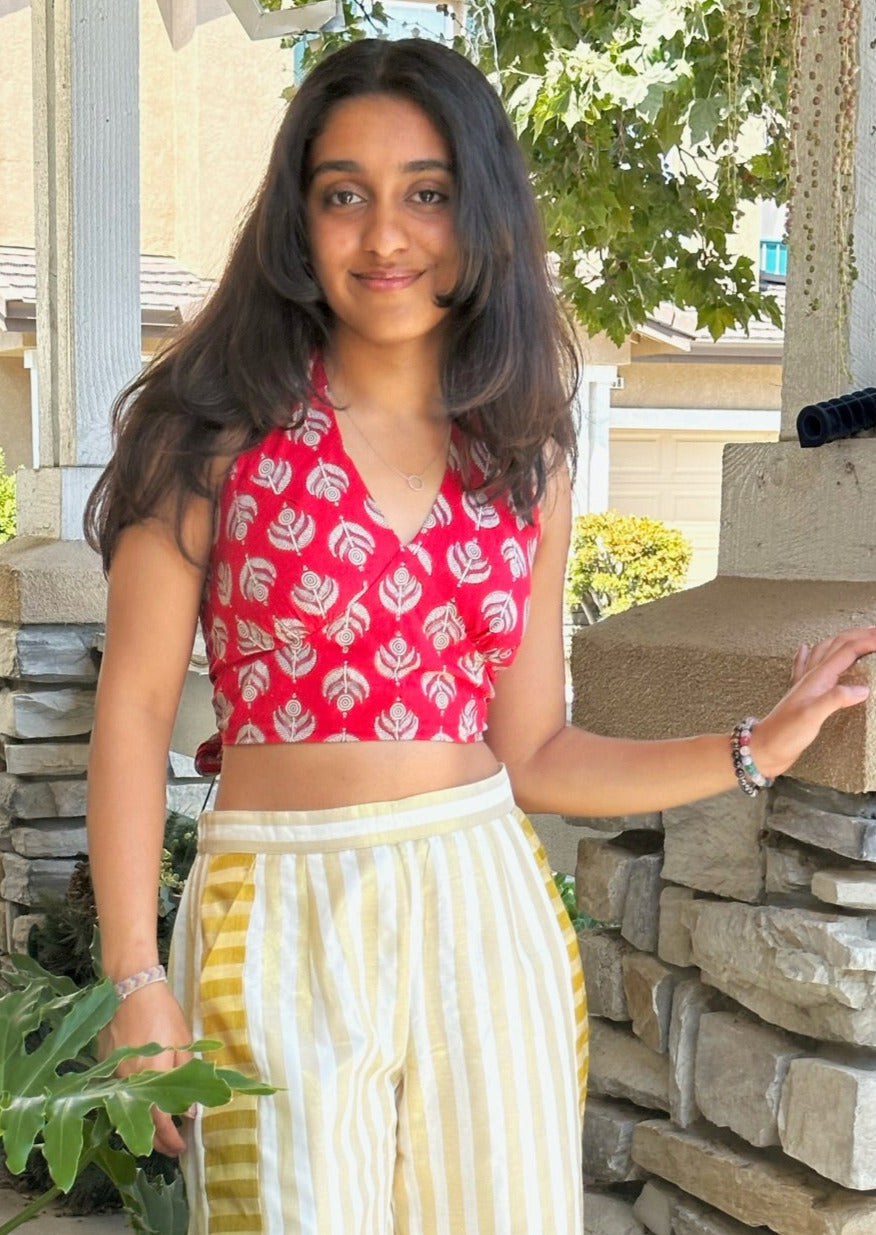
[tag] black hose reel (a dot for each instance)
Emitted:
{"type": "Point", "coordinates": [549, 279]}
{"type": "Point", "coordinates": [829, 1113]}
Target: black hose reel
{"type": "Point", "coordinates": [837, 418]}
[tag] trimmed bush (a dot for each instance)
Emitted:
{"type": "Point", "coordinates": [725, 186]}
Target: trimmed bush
{"type": "Point", "coordinates": [617, 561]}
{"type": "Point", "coordinates": [7, 501]}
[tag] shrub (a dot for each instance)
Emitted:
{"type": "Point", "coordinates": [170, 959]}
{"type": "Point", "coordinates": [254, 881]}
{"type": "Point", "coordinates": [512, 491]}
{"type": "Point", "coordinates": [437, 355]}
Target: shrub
{"type": "Point", "coordinates": [617, 561]}
{"type": "Point", "coordinates": [7, 501]}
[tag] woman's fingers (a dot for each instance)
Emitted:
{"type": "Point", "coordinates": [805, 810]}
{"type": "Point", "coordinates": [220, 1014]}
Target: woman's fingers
{"type": "Point", "coordinates": [834, 656]}
{"type": "Point", "coordinates": [800, 662]}
{"type": "Point", "coordinates": [152, 1014]}
{"type": "Point", "coordinates": [168, 1138]}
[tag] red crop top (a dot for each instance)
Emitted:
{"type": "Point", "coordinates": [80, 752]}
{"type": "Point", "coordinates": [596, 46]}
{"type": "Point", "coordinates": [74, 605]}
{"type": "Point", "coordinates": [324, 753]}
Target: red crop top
{"type": "Point", "coordinates": [321, 626]}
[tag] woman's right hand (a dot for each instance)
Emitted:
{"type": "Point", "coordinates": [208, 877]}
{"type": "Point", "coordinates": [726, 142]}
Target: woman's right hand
{"type": "Point", "coordinates": [151, 1014]}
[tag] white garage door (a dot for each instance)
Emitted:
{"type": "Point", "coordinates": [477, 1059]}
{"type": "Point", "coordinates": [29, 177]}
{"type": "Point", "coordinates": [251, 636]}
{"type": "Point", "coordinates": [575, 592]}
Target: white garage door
{"type": "Point", "coordinates": [675, 475]}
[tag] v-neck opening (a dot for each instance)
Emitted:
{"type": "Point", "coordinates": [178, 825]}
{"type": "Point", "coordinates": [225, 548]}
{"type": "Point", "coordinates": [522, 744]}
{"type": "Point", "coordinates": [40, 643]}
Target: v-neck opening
{"type": "Point", "coordinates": [354, 470]}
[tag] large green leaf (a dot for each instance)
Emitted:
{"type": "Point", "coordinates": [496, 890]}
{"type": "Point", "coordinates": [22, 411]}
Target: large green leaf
{"type": "Point", "coordinates": [59, 1097]}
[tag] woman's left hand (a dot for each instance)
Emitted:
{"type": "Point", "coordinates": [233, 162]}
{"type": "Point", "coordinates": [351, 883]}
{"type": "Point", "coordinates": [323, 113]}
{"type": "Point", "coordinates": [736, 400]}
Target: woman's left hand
{"type": "Point", "coordinates": [815, 693]}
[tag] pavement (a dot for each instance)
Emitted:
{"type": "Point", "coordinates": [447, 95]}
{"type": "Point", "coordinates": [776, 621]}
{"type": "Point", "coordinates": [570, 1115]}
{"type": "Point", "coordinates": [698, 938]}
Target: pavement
{"type": "Point", "coordinates": [53, 1221]}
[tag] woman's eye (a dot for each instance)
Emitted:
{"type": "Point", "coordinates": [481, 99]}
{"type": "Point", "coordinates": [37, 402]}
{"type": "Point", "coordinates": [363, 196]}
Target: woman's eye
{"type": "Point", "coordinates": [430, 197]}
{"type": "Point", "coordinates": [343, 197]}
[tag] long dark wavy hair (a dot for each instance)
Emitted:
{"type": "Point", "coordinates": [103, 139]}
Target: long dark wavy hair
{"type": "Point", "coordinates": [242, 365]}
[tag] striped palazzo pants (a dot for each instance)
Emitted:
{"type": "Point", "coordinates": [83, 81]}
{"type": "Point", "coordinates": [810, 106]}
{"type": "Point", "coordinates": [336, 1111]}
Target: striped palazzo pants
{"type": "Point", "coordinates": [406, 976]}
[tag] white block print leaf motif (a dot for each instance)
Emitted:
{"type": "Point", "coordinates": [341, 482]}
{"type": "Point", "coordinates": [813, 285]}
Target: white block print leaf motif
{"type": "Point", "coordinates": [468, 563]}
{"type": "Point", "coordinates": [472, 665]}
{"type": "Point", "coordinates": [292, 529]}
{"type": "Point", "coordinates": [514, 558]}
{"type": "Point", "coordinates": [249, 735]}
{"type": "Point", "coordinates": [293, 722]}
{"type": "Point", "coordinates": [219, 638]}
{"type": "Point", "coordinates": [351, 625]}
{"type": "Point", "coordinates": [396, 659]}
{"type": "Point", "coordinates": [296, 661]}
{"type": "Point", "coordinates": [222, 710]}
{"type": "Point", "coordinates": [501, 612]}
{"type": "Point", "coordinates": [313, 428]}
{"type": "Point", "coordinates": [439, 688]}
{"type": "Point", "coordinates": [400, 592]}
{"type": "Point", "coordinates": [424, 558]}
{"type": "Point", "coordinates": [350, 542]}
{"type": "Point", "coordinates": [223, 583]}
{"type": "Point", "coordinates": [315, 593]}
{"type": "Point", "coordinates": [481, 513]}
{"type": "Point", "coordinates": [253, 679]}
{"type": "Point", "coordinates": [373, 511]}
{"type": "Point", "coordinates": [441, 514]}
{"type": "Point", "coordinates": [291, 631]}
{"type": "Point", "coordinates": [257, 577]}
{"type": "Point", "coordinates": [396, 724]}
{"type": "Point", "coordinates": [468, 722]}
{"type": "Point", "coordinates": [251, 639]}
{"type": "Point", "coordinates": [443, 626]}
{"type": "Point", "coordinates": [242, 510]}
{"type": "Point", "coordinates": [327, 481]}
{"type": "Point", "coordinates": [273, 474]}
{"type": "Point", "coordinates": [345, 687]}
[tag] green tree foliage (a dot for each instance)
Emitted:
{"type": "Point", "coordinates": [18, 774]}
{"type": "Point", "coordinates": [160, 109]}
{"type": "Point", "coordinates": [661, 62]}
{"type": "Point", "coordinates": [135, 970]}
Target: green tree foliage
{"type": "Point", "coordinates": [632, 114]}
{"type": "Point", "coordinates": [617, 561]}
{"type": "Point", "coordinates": [648, 124]}
{"type": "Point", "coordinates": [7, 501]}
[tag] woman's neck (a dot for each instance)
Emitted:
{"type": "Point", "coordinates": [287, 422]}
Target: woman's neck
{"type": "Point", "coordinates": [403, 380]}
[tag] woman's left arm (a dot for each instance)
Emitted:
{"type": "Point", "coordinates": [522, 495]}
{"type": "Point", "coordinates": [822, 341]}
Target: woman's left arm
{"type": "Point", "coordinates": [557, 767]}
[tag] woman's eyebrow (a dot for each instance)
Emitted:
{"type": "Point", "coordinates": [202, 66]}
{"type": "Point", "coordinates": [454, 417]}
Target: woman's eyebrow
{"type": "Point", "coordinates": [350, 165]}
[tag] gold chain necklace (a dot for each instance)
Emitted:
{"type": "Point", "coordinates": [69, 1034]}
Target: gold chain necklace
{"type": "Point", "coordinates": [414, 480]}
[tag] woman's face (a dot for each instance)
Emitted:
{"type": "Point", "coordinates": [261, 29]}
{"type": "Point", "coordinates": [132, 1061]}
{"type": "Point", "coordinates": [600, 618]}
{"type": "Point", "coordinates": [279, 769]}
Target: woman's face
{"type": "Point", "coordinates": [380, 210]}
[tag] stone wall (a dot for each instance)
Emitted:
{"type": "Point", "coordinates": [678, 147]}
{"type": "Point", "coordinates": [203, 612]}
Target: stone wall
{"type": "Point", "coordinates": [733, 1016]}
{"type": "Point", "coordinates": [47, 680]}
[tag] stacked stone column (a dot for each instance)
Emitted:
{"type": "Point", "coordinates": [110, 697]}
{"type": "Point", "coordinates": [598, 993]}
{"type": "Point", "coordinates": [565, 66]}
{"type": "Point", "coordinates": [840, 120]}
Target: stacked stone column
{"type": "Point", "coordinates": [52, 602]}
{"type": "Point", "coordinates": [733, 1016]}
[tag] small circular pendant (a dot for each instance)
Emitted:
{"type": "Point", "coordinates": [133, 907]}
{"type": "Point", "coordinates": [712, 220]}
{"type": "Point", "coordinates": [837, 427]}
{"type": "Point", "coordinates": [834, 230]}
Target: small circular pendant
{"type": "Point", "coordinates": [415, 482]}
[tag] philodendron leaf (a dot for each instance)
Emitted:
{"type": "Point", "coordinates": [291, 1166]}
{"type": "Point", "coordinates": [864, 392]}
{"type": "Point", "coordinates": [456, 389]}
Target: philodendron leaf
{"type": "Point", "coordinates": [127, 1102]}
{"type": "Point", "coordinates": [132, 1119]}
{"type": "Point", "coordinates": [21, 1120]}
{"type": "Point", "coordinates": [72, 1113]}
{"type": "Point", "coordinates": [63, 1140]}
{"type": "Point", "coordinates": [85, 1015]}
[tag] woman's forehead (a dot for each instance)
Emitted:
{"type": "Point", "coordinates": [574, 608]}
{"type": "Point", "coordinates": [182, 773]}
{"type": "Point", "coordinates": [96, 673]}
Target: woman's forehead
{"type": "Point", "coordinates": [379, 129]}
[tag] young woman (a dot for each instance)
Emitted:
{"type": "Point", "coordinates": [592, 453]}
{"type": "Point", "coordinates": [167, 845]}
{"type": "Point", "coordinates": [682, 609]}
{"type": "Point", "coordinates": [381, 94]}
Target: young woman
{"type": "Point", "coordinates": [352, 466]}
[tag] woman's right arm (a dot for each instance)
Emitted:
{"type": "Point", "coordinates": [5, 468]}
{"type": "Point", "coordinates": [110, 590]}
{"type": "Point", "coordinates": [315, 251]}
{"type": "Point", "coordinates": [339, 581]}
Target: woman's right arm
{"type": "Point", "coordinates": [152, 612]}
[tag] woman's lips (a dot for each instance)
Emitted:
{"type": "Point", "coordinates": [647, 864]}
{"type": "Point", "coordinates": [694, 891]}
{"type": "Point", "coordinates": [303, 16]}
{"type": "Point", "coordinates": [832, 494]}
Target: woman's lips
{"type": "Point", "coordinates": [387, 280]}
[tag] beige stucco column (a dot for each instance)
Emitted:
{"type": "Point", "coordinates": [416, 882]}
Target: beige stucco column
{"type": "Point", "coordinates": [798, 547]}
{"type": "Point", "coordinates": [86, 161]}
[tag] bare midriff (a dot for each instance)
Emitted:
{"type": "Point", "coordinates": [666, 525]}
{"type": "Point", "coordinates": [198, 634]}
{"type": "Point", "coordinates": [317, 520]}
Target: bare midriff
{"type": "Point", "coordinates": [314, 776]}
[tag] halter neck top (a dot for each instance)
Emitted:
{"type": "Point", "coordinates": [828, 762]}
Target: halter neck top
{"type": "Point", "coordinates": [322, 626]}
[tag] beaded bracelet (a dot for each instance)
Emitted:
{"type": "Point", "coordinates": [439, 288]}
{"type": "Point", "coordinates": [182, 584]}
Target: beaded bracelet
{"type": "Point", "coordinates": [751, 781]}
{"type": "Point", "coordinates": [145, 977]}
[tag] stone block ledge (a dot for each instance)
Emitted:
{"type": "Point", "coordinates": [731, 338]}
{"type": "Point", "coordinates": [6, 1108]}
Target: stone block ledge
{"type": "Point", "coordinates": [699, 661]}
{"type": "Point", "coordinates": [50, 581]}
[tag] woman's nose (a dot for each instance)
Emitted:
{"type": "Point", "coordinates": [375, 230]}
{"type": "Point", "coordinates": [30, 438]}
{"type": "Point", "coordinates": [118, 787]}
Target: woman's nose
{"type": "Point", "coordinates": [385, 232]}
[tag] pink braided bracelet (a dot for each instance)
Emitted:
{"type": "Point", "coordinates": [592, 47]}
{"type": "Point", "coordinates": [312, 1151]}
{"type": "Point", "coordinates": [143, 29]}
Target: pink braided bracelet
{"type": "Point", "coordinates": [145, 977]}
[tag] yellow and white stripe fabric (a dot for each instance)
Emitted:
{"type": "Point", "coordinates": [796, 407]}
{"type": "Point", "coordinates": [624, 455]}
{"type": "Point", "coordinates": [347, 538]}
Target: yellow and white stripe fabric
{"type": "Point", "coordinates": [407, 977]}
